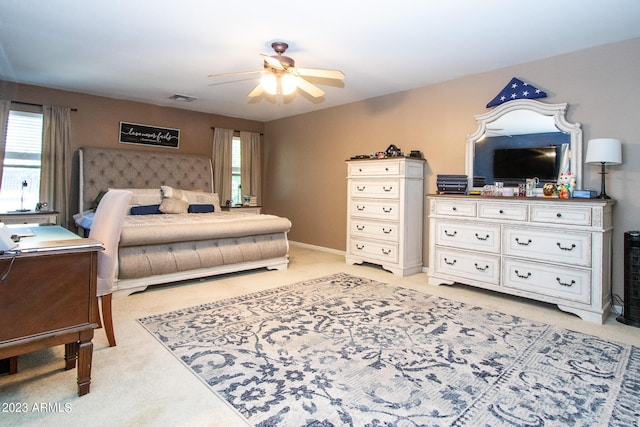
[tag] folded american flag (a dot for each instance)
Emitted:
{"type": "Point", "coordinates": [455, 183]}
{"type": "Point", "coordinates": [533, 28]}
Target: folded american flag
{"type": "Point", "coordinates": [516, 89]}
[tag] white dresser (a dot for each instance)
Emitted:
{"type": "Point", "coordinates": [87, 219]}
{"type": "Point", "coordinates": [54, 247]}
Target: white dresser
{"type": "Point", "coordinates": [385, 213]}
{"type": "Point", "coordinates": [552, 250]}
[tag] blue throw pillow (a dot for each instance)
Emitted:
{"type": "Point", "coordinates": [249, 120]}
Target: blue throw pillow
{"type": "Point", "coordinates": [200, 208]}
{"type": "Point", "coordinates": [145, 210]}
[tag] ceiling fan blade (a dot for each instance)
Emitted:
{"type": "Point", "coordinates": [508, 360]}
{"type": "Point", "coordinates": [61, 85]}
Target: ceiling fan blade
{"type": "Point", "coordinates": [235, 74]}
{"type": "Point", "coordinates": [273, 62]}
{"type": "Point", "coordinates": [257, 91]}
{"type": "Point", "coordinates": [233, 81]}
{"type": "Point", "coordinates": [319, 72]}
{"type": "Point", "coordinates": [311, 89]}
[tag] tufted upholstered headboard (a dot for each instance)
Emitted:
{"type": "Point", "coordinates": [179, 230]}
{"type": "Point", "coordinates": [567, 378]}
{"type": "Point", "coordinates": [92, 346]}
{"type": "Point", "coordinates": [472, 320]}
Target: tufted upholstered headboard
{"type": "Point", "coordinates": [104, 168]}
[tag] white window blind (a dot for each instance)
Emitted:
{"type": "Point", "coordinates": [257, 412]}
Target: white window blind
{"type": "Point", "coordinates": [22, 160]}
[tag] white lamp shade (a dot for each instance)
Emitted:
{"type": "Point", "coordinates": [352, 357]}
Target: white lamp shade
{"type": "Point", "coordinates": [604, 150]}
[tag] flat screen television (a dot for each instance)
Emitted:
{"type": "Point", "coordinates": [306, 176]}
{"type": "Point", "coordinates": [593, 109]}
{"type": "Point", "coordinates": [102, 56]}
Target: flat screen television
{"type": "Point", "coordinates": [516, 164]}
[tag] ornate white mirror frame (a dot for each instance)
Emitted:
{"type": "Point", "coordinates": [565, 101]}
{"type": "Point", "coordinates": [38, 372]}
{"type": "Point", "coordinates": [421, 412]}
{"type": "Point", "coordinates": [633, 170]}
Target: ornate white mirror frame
{"type": "Point", "coordinates": [556, 111]}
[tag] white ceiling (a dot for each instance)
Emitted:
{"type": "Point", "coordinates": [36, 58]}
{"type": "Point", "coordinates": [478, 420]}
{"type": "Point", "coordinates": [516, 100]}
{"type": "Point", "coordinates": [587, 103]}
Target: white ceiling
{"type": "Point", "coordinates": [149, 50]}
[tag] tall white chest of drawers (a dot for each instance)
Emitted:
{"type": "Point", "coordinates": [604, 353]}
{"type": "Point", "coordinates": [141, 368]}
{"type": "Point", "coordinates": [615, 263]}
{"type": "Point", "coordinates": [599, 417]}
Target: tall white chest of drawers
{"type": "Point", "coordinates": [552, 250]}
{"type": "Point", "coordinates": [385, 213]}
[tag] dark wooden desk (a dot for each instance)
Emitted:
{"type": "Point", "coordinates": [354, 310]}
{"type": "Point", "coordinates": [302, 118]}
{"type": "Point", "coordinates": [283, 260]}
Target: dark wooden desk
{"type": "Point", "coordinates": [48, 298]}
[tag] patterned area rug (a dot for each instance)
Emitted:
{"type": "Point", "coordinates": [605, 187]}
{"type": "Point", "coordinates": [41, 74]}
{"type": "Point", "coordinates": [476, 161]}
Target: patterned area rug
{"type": "Point", "coordinates": [343, 350]}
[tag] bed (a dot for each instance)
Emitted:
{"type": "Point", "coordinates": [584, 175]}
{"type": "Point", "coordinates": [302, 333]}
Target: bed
{"type": "Point", "coordinates": [161, 240]}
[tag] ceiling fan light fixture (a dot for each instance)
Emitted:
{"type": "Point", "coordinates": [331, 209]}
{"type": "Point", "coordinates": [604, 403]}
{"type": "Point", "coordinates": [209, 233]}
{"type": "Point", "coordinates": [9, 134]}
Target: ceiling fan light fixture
{"type": "Point", "coordinates": [278, 85]}
{"type": "Point", "coordinates": [269, 83]}
{"type": "Point", "coordinates": [288, 84]}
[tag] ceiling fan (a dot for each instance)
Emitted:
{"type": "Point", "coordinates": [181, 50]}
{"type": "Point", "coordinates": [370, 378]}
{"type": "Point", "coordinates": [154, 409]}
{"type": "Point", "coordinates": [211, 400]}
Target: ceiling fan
{"type": "Point", "coordinates": [280, 76]}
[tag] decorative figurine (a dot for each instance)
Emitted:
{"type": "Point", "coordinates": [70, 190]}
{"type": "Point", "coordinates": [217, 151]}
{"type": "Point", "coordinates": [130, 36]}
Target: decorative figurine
{"type": "Point", "coordinates": [550, 190]}
{"type": "Point", "coordinates": [566, 185]}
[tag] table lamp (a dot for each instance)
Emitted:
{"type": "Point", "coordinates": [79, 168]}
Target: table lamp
{"type": "Point", "coordinates": [606, 151]}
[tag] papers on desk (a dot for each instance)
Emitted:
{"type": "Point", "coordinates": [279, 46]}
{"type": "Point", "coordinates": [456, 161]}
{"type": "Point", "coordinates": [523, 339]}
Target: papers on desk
{"type": "Point", "coordinates": [58, 245]}
{"type": "Point", "coordinates": [19, 232]}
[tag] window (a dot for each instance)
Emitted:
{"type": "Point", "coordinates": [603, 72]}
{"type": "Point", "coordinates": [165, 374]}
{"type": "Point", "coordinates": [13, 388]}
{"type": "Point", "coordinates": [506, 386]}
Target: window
{"type": "Point", "coordinates": [22, 160]}
{"type": "Point", "coordinates": [236, 187]}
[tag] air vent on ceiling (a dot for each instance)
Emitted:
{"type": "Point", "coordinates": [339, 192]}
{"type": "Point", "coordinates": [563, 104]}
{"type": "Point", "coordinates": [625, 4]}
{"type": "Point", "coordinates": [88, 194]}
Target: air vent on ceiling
{"type": "Point", "coordinates": [183, 98]}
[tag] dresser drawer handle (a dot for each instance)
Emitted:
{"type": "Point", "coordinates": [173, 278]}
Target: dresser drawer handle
{"type": "Point", "coordinates": [386, 251]}
{"type": "Point", "coordinates": [387, 230]}
{"type": "Point", "coordinates": [501, 211]}
{"type": "Point", "coordinates": [573, 282]}
{"type": "Point", "coordinates": [387, 210]}
{"type": "Point", "coordinates": [360, 227]}
{"type": "Point", "coordinates": [359, 247]}
{"type": "Point", "coordinates": [454, 208]}
{"type": "Point", "coordinates": [449, 262]}
{"type": "Point", "coordinates": [527, 243]}
{"type": "Point", "coordinates": [482, 238]}
{"type": "Point", "coordinates": [566, 248]}
{"type": "Point", "coordinates": [450, 234]}
{"type": "Point", "coordinates": [559, 215]}
{"type": "Point", "coordinates": [481, 268]}
{"type": "Point", "coordinates": [360, 208]}
{"type": "Point", "coordinates": [387, 189]}
{"type": "Point", "coordinates": [360, 188]}
{"type": "Point", "coordinates": [522, 276]}
{"type": "Point", "coordinates": [386, 169]}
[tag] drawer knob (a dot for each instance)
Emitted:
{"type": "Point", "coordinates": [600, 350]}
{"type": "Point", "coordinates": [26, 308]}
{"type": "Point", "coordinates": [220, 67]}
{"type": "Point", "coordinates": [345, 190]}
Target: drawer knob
{"type": "Point", "coordinates": [559, 215]}
{"type": "Point", "coordinates": [481, 268]}
{"type": "Point", "coordinates": [450, 234]}
{"type": "Point", "coordinates": [573, 282]}
{"type": "Point", "coordinates": [527, 243]}
{"type": "Point", "coordinates": [386, 169]}
{"type": "Point", "coordinates": [454, 208]}
{"type": "Point", "coordinates": [501, 211]}
{"type": "Point", "coordinates": [449, 262]}
{"type": "Point", "coordinates": [566, 248]}
{"type": "Point", "coordinates": [482, 238]}
{"type": "Point", "coordinates": [522, 276]}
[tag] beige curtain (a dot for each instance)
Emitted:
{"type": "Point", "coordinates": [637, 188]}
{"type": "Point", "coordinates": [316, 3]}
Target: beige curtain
{"type": "Point", "coordinates": [250, 164]}
{"type": "Point", "coordinates": [5, 106]}
{"type": "Point", "coordinates": [222, 144]}
{"type": "Point", "coordinates": [55, 174]}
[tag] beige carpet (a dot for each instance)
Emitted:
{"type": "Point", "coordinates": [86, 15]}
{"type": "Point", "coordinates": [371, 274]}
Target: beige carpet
{"type": "Point", "coordinates": [139, 383]}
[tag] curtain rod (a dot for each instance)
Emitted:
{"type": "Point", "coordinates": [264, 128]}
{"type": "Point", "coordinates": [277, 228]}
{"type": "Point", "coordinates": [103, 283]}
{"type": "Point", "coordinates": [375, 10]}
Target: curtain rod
{"type": "Point", "coordinates": [235, 130]}
{"type": "Point", "coordinates": [35, 105]}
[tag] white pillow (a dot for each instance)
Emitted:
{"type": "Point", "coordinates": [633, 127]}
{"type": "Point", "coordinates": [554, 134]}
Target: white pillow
{"type": "Point", "coordinates": [143, 196]}
{"type": "Point", "coordinates": [173, 206]}
{"type": "Point", "coordinates": [172, 193]}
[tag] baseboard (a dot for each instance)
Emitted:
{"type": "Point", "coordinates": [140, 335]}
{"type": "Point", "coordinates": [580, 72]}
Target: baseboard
{"type": "Point", "coordinates": [316, 248]}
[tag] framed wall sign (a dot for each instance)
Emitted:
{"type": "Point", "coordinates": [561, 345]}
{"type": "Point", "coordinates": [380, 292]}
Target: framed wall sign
{"type": "Point", "coordinates": [134, 133]}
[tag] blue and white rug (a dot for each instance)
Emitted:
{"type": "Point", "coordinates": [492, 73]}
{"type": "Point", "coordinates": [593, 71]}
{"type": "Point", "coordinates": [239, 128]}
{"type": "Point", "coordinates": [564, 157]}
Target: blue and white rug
{"type": "Point", "coordinates": [346, 351]}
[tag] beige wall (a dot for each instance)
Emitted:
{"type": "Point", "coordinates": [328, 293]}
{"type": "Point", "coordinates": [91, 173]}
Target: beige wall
{"type": "Point", "coordinates": [305, 154]}
{"type": "Point", "coordinates": [97, 119]}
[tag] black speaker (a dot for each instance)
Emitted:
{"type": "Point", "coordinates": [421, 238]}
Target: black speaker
{"type": "Point", "coordinates": [631, 307]}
